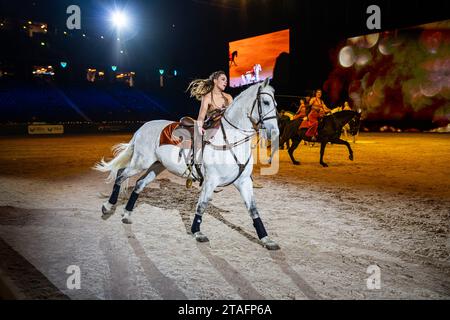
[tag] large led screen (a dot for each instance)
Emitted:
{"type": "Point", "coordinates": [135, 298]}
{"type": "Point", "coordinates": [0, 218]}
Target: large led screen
{"type": "Point", "coordinates": [253, 59]}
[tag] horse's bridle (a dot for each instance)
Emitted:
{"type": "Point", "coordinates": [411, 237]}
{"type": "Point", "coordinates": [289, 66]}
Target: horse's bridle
{"type": "Point", "coordinates": [257, 125]}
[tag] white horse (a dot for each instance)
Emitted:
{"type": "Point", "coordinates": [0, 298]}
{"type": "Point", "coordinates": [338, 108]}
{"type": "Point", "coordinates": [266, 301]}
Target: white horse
{"type": "Point", "coordinates": [253, 75]}
{"type": "Point", "coordinates": [226, 159]}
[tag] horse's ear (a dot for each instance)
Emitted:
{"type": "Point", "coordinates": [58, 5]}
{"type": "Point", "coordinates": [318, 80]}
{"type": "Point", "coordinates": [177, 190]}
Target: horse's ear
{"type": "Point", "coordinates": [266, 82]}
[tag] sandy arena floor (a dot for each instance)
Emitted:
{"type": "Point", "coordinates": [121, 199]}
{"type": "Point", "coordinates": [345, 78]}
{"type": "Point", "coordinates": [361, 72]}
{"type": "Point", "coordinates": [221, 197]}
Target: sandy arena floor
{"type": "Point", "coordinates": [390, 207]}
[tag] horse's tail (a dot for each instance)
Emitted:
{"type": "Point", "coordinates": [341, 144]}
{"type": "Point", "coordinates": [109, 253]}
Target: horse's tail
{"type": "Point", "coordinates": [122, 157]}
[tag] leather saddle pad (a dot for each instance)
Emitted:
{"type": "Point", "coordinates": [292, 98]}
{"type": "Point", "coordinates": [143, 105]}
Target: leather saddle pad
{"type": "Point", "coordinates": [182, 133]}
{"type": "Point", "coordinates": [174, 134]}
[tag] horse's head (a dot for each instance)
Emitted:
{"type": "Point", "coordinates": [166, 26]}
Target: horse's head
{"type": "Point", "coordinates": [264, 113]}
{"type": "Point", "coordinates": [257, 105]}
{"type": "Point", "coordinates": [354, 123]}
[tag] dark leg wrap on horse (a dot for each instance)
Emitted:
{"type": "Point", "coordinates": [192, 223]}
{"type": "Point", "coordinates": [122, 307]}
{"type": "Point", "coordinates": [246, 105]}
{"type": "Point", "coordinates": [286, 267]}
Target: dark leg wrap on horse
{"type": "Point", "coordinates": [259, 226]}
{"type": "Point", "coordinates": [196, 224]}
{"type": "Point", "coordinates": [132, 201]}
{"type": "Point", "coordinates": [115, 194]}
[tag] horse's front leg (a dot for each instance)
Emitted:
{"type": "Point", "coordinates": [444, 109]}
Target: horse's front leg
{"type": "Point", "coordinates": [295, 142]}
{"type": "Point", "coordinates": [245, 187]}
{"type": "Point", "coordinates": [205, 196]}
{"type": "Point", "coordinates": [345, 143]}
{"type": "Point", "coordinates": [323, 145]}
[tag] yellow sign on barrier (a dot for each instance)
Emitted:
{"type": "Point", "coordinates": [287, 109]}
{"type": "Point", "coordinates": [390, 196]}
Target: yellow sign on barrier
{"type": "Point", "coordinates": [45, 129]}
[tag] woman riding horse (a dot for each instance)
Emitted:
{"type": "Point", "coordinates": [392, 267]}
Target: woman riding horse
{"type": "Point", "coordinates": [301, 112]}
{"type": "Point", "coordinates": [208, 91]}
{"type": "Point", "coordinates": [329, 131]}
{"type": "Point", "coordinates": [318, 110]}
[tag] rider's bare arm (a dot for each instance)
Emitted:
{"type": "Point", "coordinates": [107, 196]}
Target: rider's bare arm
{"type": "Point", "coordinates": [325, 108]}
{"type": "Point", "coordinates": [203, 109]}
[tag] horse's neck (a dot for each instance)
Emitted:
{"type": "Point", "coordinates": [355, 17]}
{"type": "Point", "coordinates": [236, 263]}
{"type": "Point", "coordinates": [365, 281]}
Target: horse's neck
{"type": "Point", "coordinates": [345, 119]}
{"type": "Point", "coordinates": [238, 116]}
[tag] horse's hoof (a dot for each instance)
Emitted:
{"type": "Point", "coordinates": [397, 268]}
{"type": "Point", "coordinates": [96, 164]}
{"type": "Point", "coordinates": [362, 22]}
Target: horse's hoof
{"type": "Point", "coordinates": [351, 157]}
{"type": "Point", "coordinates": [296, 163]}
{"type": "Point", "coordinates": [127, 221]}
{"type": "Point", "coordinates": [200, 237]}
{"type": "Point", "coordinates": [107, 213]}
{"type": "Point", "coordinates": [324, 165]}
{"type": "Point", "coordinates": [269, 244]}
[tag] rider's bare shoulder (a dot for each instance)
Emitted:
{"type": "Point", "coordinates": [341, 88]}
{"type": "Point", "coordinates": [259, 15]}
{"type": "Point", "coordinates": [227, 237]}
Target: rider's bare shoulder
{"type": "Point", "coordinates": [206, 99]}
{"type": "Point", "coordinates": [229, 97]}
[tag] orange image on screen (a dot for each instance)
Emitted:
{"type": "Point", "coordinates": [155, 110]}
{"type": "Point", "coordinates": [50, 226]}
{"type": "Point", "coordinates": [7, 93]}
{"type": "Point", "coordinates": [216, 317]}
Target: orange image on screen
{"type": "Point", "coordinates": [253, 59]}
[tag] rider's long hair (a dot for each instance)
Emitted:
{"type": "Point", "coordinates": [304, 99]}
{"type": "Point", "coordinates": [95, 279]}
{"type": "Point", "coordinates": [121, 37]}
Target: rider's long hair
{"type": "Point", "coordinates": [200, 87]}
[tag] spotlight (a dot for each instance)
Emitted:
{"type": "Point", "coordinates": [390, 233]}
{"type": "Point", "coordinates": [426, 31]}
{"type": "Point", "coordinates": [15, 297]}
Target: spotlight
{"type": "Point", "coordinates": [119, 19]}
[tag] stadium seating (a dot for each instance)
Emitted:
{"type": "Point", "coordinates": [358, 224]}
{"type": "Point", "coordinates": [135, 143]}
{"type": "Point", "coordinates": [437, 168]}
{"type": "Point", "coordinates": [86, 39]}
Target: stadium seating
{"type": "Point", "coordinates": [39, 100]}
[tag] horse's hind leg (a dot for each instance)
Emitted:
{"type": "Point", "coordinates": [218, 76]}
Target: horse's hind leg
{"type": "Point", "coordinates": [245, 187]}
{"type": "Point", "coordinates": [205, 197]}
{"type": "Point", "coordinates": [143, 181]}
{"type": "Point", "coordinates": [109, 207]}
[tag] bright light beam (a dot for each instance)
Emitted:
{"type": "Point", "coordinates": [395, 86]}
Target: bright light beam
{"type": "Point", "coordinates": [119, 19]}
